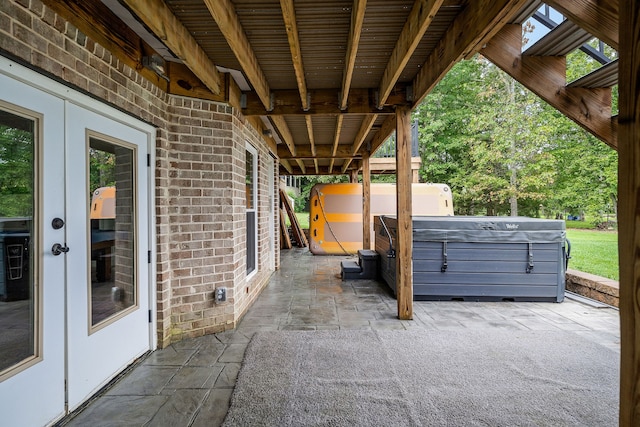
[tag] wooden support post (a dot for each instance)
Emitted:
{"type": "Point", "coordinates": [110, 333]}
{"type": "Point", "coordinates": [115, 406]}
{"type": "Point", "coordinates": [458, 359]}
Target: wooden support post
{"type": "Point", "coordinates": [353, 176]}
{"type": "Point", "coordinates": [629, 211]}
{"type": "Point", "coordinates": [404, 244]}
{"type": "Point", "coordinates": [366, 204]}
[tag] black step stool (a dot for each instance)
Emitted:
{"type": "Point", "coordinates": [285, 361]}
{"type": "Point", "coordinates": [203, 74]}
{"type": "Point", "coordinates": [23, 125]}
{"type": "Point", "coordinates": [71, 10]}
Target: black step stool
{"type": "Point", "coordinates": [365, 268]}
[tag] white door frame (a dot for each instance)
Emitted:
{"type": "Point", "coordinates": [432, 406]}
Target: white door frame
{"type": "Point", "coordinates": [20, 73]}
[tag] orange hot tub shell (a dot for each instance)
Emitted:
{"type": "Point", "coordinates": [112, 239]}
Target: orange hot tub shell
{"type": "Point", "coordinates": [335, 214]}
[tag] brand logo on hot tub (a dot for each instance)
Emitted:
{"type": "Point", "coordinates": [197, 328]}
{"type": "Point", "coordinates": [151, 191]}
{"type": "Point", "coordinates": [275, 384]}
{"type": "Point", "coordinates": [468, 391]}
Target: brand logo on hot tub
{"type": "Point", "coordinates": [512, 226]}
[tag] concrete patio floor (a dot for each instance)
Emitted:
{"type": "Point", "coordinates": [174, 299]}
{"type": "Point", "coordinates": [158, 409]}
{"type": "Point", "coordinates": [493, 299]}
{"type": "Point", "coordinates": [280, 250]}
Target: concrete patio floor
{"type": "Point", "coordinates": [190, 383]}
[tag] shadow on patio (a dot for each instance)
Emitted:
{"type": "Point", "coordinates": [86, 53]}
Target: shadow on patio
{"type": "Point", "coordinates": [190, 383]}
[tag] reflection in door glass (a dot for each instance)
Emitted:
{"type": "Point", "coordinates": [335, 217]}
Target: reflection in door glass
{"type": "Point", "coordinates": [17, 189]}
{"type": "Point", "coordinates": [111, 218]}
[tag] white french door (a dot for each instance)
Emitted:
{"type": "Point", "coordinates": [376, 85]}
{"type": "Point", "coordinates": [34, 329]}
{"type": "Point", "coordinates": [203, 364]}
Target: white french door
{"type": "Point", "coordinates": [74, 242]}
{"type": "Point", "coordinates": [107, 277]}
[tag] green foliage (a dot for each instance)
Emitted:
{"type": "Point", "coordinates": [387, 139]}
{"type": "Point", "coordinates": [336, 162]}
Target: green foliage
{"type": "Point", "coordinates": [16, 172]}
{"type": "Point", "coordinates": [504, 151]}
{"type": "Point", "coordinates": [594, 252]}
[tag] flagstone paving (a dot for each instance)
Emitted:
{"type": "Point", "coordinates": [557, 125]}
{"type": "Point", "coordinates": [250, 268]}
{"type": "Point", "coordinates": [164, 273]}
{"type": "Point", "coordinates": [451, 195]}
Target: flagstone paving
{"type": "Point", "coordinates": [190, 383]}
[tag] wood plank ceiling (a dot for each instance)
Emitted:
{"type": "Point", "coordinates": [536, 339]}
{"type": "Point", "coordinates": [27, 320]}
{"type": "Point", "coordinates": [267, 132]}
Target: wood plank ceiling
{"type": "Point", "coordinates": [322, 79]}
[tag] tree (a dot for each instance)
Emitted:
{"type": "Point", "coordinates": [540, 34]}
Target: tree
{"type": "Point", "coordinates": [16, 171]}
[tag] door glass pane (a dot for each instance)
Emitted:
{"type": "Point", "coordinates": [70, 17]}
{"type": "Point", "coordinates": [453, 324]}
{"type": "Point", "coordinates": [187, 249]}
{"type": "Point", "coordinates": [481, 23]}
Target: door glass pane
{"type": "Point", "coordinates": [111, 217]}
{"type": "Point", "coordinates": [17, 207]}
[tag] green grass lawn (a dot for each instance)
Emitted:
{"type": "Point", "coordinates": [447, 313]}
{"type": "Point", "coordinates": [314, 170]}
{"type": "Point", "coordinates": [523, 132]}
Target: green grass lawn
{"type": "Point", "coordinates": [594, 252]}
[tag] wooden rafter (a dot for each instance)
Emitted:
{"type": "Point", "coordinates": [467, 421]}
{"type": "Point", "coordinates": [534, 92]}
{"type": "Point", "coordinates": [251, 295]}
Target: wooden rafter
{"type": "Point", "coordinates": [285, 164]}
{"type": "Point", "coordinates": [291, 25]}
{"type": "Point", "coordinates": [223, 12]}
{"type": "Point", "coordinates": [336, 141]}
{"type": "Point", "coordinates": [475, 24]}
{"type": "Point", "coordinates": [166, 26]}
{"type": "Point", "coordinates": [387, 128]}
{"type": "Point", "coordinates": [357, 18]}
{"type": "Point", "coordinates": [312, 142]}
{"type": "Point", "coordinates": [365, 127]}
{"type": "Point", "coordinates": [418, 21]}
{"type": "Point", "coordinates": [546, 77]}
{"type": "Point", "coordinates": [283, 129]}
{"type": "Point", "coordinates": [600, 18]}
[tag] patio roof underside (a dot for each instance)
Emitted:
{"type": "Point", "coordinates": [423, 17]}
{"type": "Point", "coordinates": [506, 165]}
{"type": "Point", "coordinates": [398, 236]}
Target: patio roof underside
{"type": "Point", "coordinates": [322, 79]}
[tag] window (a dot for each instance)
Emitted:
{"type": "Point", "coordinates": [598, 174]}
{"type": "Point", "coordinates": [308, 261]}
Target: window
{"type": "Point", "coordinates": [251, 180]}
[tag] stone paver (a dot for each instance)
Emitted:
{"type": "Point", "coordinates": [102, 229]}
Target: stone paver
{"type": "Point", "coordinates": [190, 383]}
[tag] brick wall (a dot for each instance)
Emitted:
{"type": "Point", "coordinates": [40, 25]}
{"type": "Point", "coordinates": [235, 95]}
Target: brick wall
{"type": "Point", "coordinates": [199, 167]}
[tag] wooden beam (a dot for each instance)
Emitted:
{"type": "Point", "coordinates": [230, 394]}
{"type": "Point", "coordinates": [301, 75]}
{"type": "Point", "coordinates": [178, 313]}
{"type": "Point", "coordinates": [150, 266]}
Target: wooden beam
{"type": "Point", "coordinates": [291, 25]}
{"type": "Point", "coordinates": [366, 204]}
{"type": "Point", "coordinates": [478, 20]}
{"type": "Point", "coordinates": [303, 168]}
{"type": "Point", "coordinates": [312, 141]}
{"type": "Point", "coordinates": [322, 102]}
{"type": "Point", "coordinates": [286, 165]}
{"type": "Point", "coordinates": [629, 212]}
{"type": "Point", "coordinates": [157, 16]}
{"type": "Point", "coordinates": [546, 77]}
{"type": "Point", "coordinates": [224, 13]}
{"type": "Point", "coordinates": [387, 128]}
{"type": "Point", "coordinates": [600, 18]}
{"type": "Point", "coordinates": [363, 132]}
{"type": "Point", "coordinates": [280, 124]}
{"type": "Point", "coordinates": [357, 18]}
{"type": "Point", "coordinates": [404, 209]}
{"type": "Point", "coordinates": [324, 151]}
{"type": "Point", "coordinates": [418, 21]}
{"type": "Point", "coordinates": [336, 141]}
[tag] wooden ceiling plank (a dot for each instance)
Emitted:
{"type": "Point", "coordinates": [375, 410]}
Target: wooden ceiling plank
{"type": "Point", "coordinates": [546, 77]}
{"type": "Point", "coordinates": [223, 12]}
{"type": "Point", "coordinates": [291, 25]}
{"type": "Point", "coordinates": [479, 21]}
{"type": "Point", "coordinates": [365, 127]}
{"type": "Point", "coordinates": [357, 19]}
{"type": "Point", "coordinates": [280, 124]}
{"type": "Point", "coordinates": [165, 25]}
{"type": "Point", "coordinates": [418, 21]}
{"type": "Point", "coordinates": [600, 18]}
{"type": "Point", "coordinates": [336, 141]}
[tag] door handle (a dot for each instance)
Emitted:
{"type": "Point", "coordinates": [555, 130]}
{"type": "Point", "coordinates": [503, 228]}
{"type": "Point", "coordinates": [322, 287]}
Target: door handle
{"type": "Point", "coordinates": [58, 249]}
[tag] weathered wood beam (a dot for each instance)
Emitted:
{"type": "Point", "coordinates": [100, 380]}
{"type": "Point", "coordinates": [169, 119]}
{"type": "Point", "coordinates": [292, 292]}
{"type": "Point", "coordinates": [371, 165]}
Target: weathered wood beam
{"type": "Point", "coordinates": [280, 124]}
{"type": "Point", "coordinates": [629, 212]}
{"type": "Point", "coordinates": [600, 18]}
{"type": "Point", "coordinates": [336, 141]}
{"type": "Point", "coordinates": [322, 102]}
{"type": "Point", "coordinates": [224, 13]}
{"type": "Point", "coordinates": [357, 18]}
{"type": "Point", "coordinates": [301, 165]}
{"type": "Point", "coordinates": [546, 77]}
{"type": "Point", "coordinates": [366, 204]}
{"type": "Point", "coordinates": [324, 151]}
{"type": "Point", "coordinates": [418, 21]}
{"type": "Point", "coordinates": [363, 132]}
{"type": "Point", "coordinates": [157, 16]}
{"type": "Point", "coordinates": [479, 20]}
{"type": "Point", "coordinates": [312, 141]}
{"type": "Point", "coordinates": [404, 209]}
{"type": "Point", "coordinates": [291, 25]}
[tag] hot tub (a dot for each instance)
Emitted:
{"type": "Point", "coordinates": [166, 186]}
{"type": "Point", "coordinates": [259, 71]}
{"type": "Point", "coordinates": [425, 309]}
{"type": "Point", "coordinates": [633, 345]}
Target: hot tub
{"type": "Point", "coordinates": [479, 258]}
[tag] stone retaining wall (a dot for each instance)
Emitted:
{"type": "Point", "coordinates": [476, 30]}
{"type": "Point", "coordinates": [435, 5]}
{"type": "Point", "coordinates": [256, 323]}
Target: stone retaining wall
{"type": "Point", "coordinates": [592, 286]}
